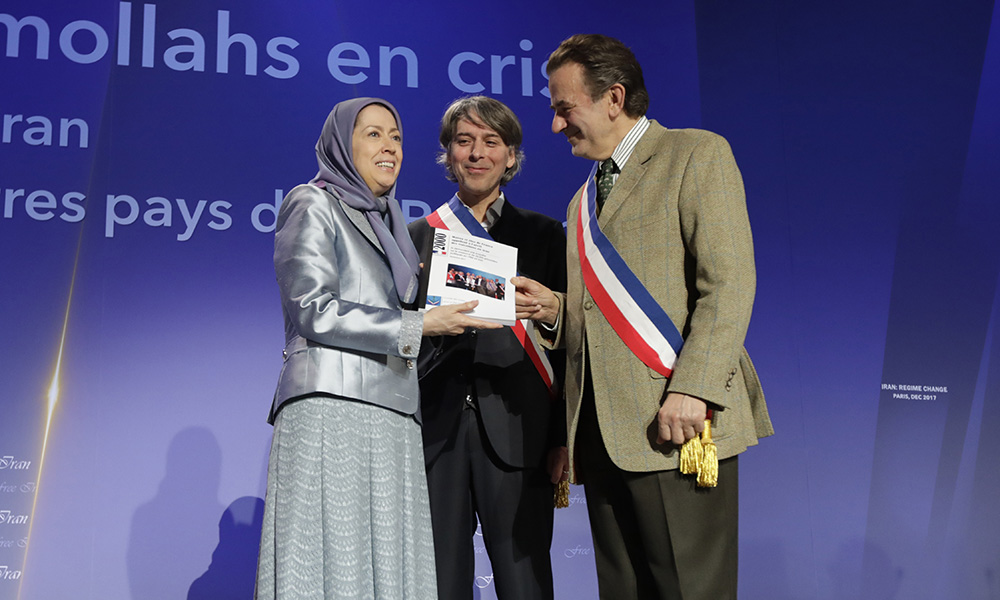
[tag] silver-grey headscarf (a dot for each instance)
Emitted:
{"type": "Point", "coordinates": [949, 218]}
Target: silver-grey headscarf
{"type": "Point", "coordinates": [334, 151]}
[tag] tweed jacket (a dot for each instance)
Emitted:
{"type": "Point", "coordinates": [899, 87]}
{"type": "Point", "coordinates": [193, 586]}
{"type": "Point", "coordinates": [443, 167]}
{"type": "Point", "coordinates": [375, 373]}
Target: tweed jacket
{"type": "Point", "coordinates": [346, 333]}
{"type": "Point", "coordinates": [677, 215]}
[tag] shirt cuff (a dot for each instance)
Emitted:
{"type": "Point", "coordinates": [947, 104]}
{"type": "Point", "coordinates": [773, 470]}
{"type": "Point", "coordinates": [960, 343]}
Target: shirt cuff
{"type": "Point", "coordinates": [551, 328]}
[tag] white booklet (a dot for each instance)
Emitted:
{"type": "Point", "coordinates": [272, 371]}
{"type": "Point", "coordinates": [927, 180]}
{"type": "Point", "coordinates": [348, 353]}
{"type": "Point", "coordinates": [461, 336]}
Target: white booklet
{"type": "Point", "coordinates": [464, 267]}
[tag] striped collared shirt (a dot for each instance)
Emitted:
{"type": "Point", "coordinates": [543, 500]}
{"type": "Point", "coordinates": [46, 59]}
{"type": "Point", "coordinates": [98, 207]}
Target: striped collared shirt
{"type": "Point", "coordinates": [625, 147]}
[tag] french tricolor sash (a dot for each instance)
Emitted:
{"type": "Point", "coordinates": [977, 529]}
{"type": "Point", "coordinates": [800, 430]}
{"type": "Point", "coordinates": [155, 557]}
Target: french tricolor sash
{"type": "Point", "coordinates": [454, 216]}
{"type": "Point", "coordinates": [630, 309]}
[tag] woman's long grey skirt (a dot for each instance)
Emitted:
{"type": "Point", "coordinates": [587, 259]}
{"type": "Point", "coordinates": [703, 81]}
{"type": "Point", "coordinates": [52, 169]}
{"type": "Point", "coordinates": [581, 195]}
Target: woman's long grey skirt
{"type": "Point", "coordinates": [346, 513]}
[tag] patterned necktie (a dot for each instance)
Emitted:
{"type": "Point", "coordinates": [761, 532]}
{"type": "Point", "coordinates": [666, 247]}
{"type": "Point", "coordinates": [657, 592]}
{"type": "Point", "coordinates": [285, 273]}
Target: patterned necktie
{"type": "Point", "coordinates": [605, 180]}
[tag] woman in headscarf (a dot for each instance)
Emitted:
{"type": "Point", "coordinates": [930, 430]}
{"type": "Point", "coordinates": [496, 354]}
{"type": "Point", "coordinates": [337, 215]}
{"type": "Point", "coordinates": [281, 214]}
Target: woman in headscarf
{"type": "Point", "coordinates": [346, 513]}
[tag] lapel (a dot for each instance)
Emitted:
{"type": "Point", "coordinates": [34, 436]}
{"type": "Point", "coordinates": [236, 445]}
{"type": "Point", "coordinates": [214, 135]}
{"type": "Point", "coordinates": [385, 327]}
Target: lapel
{"type": "Point", "coordinates": [505, 230]}
{"type": "Point", "coordinates": [360, 220]}
{"type": "Point", "coordinates": [633, 172]}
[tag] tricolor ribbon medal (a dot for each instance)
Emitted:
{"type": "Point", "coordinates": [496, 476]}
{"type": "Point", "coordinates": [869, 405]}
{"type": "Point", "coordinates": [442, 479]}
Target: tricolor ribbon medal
{"type": "Point", "coordinates": [454, 216]}
{"type": "Point", "coordinates": [625, 302]}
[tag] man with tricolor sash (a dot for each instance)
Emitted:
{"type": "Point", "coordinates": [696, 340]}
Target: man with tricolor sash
{"type": "Point", "coordinates": [659, 294]}
{"type": "Point", "coordinates": [491, 401]}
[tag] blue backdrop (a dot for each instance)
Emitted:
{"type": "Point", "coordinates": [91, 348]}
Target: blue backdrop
{"type": "Point", "coordinates": [145, 146]}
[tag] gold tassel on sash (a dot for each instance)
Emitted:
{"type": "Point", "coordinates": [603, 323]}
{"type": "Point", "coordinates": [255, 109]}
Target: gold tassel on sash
{"type": "Point", "coordinates": [702, 457]}
{"type": "Point", "coordinates": [708, 470]}
{"type": "Point", "coordinates": [691, 456]}
{"type": "Point", "coordinates": [561, 499]}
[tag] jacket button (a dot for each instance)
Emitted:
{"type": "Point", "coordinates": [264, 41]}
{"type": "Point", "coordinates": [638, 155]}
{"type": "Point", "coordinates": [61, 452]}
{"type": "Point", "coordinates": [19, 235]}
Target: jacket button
{"type": "Point", "coordinates": [409, 363]}
{"type": "Point", "coordinates": [284, 354]}
{"type": "Point", "coordinates": [407, 349]}
{"type": "Point", "coordinates": [588, 305]}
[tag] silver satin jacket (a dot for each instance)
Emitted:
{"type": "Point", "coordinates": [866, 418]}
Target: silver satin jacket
{"type": "Point", "coordinates": [346, 333]}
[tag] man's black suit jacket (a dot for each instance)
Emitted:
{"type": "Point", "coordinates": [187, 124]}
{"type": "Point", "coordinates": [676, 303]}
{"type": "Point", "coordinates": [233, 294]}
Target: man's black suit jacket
{"type": "Point", "coordinates": [520, 418]}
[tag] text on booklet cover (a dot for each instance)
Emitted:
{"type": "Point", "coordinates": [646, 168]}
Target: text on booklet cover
{"type": "Point", "coordinates": [465, 267]}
